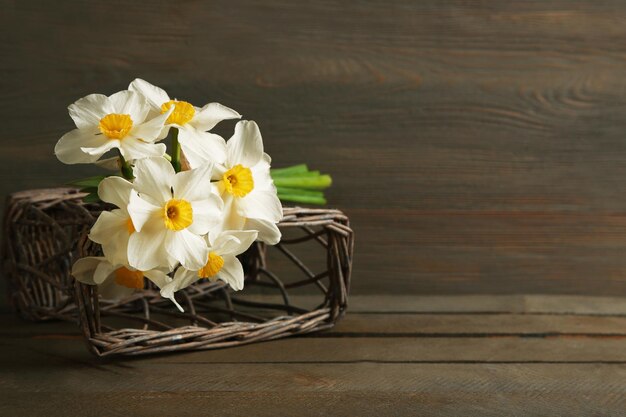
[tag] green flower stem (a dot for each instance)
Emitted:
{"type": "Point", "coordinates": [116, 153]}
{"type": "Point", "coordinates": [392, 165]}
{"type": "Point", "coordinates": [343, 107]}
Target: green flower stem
{"type": "Point", "coordinates": [175, 150]}
{"type": "Point", "coordinates": [293, 170]}
{"type": "Point", "coordinates": [296, 175]}
{"type": "Point", "coordinates": [302, 198]}
{"type": "Point", "coordinates": [299, 191]}
{"type": "Point", "coordinates": [315, 183]}
{"type": "Point", "coordinates": [127, 170]}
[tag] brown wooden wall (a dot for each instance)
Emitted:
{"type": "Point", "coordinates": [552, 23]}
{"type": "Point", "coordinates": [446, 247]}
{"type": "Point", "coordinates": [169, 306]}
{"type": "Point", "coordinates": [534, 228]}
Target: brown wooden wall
{"type": "Point", "coordinates": [479, 146]}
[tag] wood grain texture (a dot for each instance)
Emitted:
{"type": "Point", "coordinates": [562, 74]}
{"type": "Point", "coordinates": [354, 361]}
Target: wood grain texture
{"type": "Point", "coordinates": [46, 369]}
{"type": "Point", "coordinates": [545, 403]}
{"type": "Point", "coordinates": [452, 346]}
{"type": "Point", "coordinates": [478, 146]}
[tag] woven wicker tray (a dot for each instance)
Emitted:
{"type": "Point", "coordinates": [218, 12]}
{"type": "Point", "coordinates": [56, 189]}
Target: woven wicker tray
{"type": "Point", "coordinates": [44, 234]}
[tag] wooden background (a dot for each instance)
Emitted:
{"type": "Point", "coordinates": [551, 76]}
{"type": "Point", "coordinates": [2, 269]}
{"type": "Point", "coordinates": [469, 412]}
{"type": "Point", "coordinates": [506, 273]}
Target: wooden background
{"type": "Point", "coordinates": [478, 146]}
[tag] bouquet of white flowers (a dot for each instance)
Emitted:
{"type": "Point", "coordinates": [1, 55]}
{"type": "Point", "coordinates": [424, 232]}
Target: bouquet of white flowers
{"type": "Point", "coordinates": [182, 215]}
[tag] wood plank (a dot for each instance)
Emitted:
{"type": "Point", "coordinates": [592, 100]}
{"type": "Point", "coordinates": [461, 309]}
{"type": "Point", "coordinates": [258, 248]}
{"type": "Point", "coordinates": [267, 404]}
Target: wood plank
{"type": "Point", "coordinates": [495, 350]}
{"type": "Point", "coordinates": [545, 386]}
{"type": "Point", "coordinates": [478, 147]}
{"type": "Point", "coordinates": [382, 338]}
{"type": "Point", "coordinates": [320, 376]}
{"type": "Point", "coordinates": [270, 404]}
{"type": "Point", "coordinates": [506, 252]}
{"type": "Point", "coordinates": [450, 304]}
{"type": "Point", "coordinates": [478, 324]}
{"type": "Point", "coordinates": [410, 324]}
{"type": "Point", "coordinates": [472, 303]}
{"type": "Point", "coordinates": [190, 381]}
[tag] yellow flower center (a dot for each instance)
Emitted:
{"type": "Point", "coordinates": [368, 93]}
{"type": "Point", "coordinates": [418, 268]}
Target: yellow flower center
{"type": "Point", "coordinates": [177, 214]}
{"type": "Point", "coordinates": [130, 226]}
{"type": "Point", "coordinates": [115, 126]}
{"type": "Point", "coordinates": [213, 265]}
{"type": "Point", "coordinates": [183, 112]}
{"type": "Point", "coordinates": [129, 279]}
{"type": "Point", "coordinates": [238, 181]}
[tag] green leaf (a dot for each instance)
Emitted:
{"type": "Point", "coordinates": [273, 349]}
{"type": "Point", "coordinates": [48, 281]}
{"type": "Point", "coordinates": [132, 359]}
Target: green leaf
{"type": "Point", "coordinates": [292, 170]}
{"type": "Point", "coordinates": [90, 190]}
{"type": "Point", "coordinates": [317, 183]}
{"type": "Point", "coordinates": [91, 198]}
{"type": "Point", "coordinates": [88, 182]}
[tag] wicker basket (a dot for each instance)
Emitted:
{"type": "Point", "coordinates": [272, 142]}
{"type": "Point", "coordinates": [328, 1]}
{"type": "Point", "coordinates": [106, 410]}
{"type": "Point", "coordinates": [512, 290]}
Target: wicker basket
{"type": "Point", "coordinates": [42, 228]}
{"type": "Point", "coordinates": [284, 294]}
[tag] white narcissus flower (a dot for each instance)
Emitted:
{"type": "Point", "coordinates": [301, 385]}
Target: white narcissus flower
{"type": "Point", "coordinates": [115, 281]}
{"type": "Point", "coordinates": [245, 184]}
{"type": "Point", "coordinates": [268, 230]}
{"type": "Point", "coordinates": [113, 228]}
{"type": "Point", "coordinates": [104, 123]}
{"type": "Point", "coordinates": [192, 122]}
{"type": "Point", "coordinates": [221, 263]}
{"type": "Point", "coordinates": [171, 212]}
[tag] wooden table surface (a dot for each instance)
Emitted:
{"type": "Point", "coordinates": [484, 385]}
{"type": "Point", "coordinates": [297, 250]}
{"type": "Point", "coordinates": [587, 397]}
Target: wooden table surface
{"type": "Point", "coordinates": [390, 356]}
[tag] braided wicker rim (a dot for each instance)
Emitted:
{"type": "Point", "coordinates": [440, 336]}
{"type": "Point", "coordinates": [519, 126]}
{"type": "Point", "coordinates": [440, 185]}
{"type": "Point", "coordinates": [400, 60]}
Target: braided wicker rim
{"type": "Point", "coordinates": [54, 220]}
